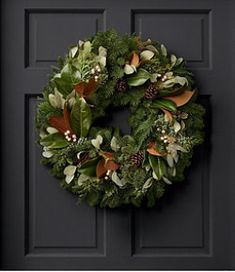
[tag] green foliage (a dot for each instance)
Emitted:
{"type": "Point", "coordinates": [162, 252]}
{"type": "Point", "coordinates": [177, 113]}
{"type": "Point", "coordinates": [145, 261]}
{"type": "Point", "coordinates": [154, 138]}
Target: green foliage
{"type": "Point", "coordinates": [174, 138]}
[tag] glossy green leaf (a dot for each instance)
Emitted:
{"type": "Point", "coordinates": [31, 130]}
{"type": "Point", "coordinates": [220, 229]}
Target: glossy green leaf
{"type": "Point", "coordinates": [164, 104]}
{"type": "Point", "coordinates": [158, 165]}
{"type": "Point", "coordinates": [55, 140]}
{"type": "Point", "coordinates": [139, 78]}
{"type": "Point", "coordinates": [64, 84]}
{"type": "Point", "coordinates": [89, 168]}
{"type": "Point", "coordinates": [81, 117]}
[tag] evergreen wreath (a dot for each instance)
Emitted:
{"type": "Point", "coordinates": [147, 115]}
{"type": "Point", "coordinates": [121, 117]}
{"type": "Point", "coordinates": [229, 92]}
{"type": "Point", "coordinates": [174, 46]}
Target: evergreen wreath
{"type": "Point", "coordinates": [99, 164]}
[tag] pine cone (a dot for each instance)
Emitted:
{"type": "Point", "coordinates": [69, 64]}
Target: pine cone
{"type": "Point", "coordinates": [121, 85]}
{"type": "Point", "coordinates": [151, 92]}
{"type": "Point", "coordinates": [137, 158]}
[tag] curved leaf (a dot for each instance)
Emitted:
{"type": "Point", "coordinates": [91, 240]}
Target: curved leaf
{"type": "Point", "coordinates": [55, 140]}
{"type": "Point", "coordinates": [181, 99]}
{"type": "Point", "coordinates": [100, 169]}
{"type": "Point", "coordinates": [81, 117]}
{"type": "Point", "coordinates": [89, 168]}
{"type": "Point", "coordinates": [139, 78]}
{"type": "Point", "coordinates": [165, 104]}
{"type": "Point", "coordinates": [135, 60]}
{"type": "Point", "coordinates": [111, 165]}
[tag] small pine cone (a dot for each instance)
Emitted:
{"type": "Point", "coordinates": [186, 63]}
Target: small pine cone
{"type": "Point", "coordinates": [137, 158]}
{"type": "Point", "coordinates": [151, 92]}
{"type": "Point", "coordinates": [121, 85]}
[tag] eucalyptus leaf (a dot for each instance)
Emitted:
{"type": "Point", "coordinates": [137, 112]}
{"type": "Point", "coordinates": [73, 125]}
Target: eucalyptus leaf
{"type": "Point", "coordinates": [115, 178]}
{"type": "Point", "coordinates": [146, 55]}
{"type": "Point", "coordinates": [68, 179]}
{"type": "Point", "coordinates": [129, 69]}
{"type": "Point", "coordinates": [114, 144]}
{"type": "Point", "coordinates": [70, 170]}
{"type": "Point", "coordinates": [170, 160]}
{"type": "Point", "coordinates": [47, 154]}
{"type": "Point", "coordinates": [164, 50]}
{"type": "Point", "coordinates": [97, 141]}
{"type": "Point", "coordinates": [51, 130]}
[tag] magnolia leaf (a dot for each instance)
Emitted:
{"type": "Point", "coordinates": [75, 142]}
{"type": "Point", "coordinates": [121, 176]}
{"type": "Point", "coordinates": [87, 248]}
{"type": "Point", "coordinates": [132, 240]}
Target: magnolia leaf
{"type": "Point", "coordinates": [154, 164]}
{"type": "Point", "coordinates": [97, 141]}
{"type": "Point", "coordinates": [64, 83]}
{"type": "Point", "coordinates": [129, 69]}
{"type": "Point", "coordinates": [148, 183]}
{"type": "Point", "coordinates": [181, 99]}
{"type": "Point", "coordinates": [163, 49]}
{"type": "Point", "coordinates": [51, 130]}
{"type": "Point", "coordinates": [152, 48]}
{"type": "Point", "coordinates": [152, 149]}
{"type": "Point", "coordinates": [101, 169]}
{"type": "Point", "coordinates": [107, 155]}
{"type": "Point", "coordinates": [155, 176]}
{"type": "Point", "coordinates": [177, 127]}
{"type": "Point", "coordinates": [85, 89]}
{"type": "Point", "coordinates": [89, 168]}
{"type": "Point", "coordinates": [135, 60]}
{"type": "Point", "coordinates": [56, 99]}
{"type": "Point", "coordinates": [181, 80]}
{"type": "Point", "coordinates": [158, 166]}
{"type": "Point", "coordinates": [173, 59]}
{"type": "Point", "coordinates": [180, 148]}
{"type": "Point", "coordinates": [166, 104]}
{"type": "Point", "coordinates": [111, 165]}
{"type": "Point", "coordinates": [179, 60]}
{"type": "Point", "coordinates": [170, 160]}
{"type": "Point", "coordinates": [73, 51]}
{"type": "Point", "coordinates": [166, 180]}
{"type": "Point", "coordinates": [115, 178]}
{"type": "Point", "coordinates": [81, 117]}
{"type": "Point", "coordinates": [61, 123]}
{"type": "Point", "coordinates": [168, 116]}
{"type": "Point", "coordinates": [175, 156]}
{"type": "Point", "coordinates": [139, 78]}
{"type": "Point", "coordinates": [70, 170]}
{"type": "Point", "coordinates": [55, 140]}
{"type": "Point", "coordinates": [146, 55]}
{"type": "Point", "coordinates": [68, 179]}
{"type": "Point", "coordinates": [153, 77]}
{"type": "Point", "coordinates": [114, 144]}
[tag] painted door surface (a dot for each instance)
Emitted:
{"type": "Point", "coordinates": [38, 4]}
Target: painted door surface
{"type": "Point", "coordinates": [42, 227]}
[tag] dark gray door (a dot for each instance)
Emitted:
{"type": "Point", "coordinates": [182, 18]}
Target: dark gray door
{"type": "Point", "coordinates": [41, 225]}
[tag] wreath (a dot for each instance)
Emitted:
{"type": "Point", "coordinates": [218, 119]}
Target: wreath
{"type": "Point", "coordinates": [99, 164]}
